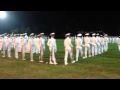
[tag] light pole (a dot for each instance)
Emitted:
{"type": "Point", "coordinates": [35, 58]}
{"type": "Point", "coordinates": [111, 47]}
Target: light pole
{"type": "Point", "coordinates": [3, 15]}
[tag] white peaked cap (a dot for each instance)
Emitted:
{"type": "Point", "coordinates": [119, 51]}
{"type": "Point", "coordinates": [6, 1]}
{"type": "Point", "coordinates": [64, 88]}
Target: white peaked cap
{"type": "Point", "coordinates": [93, 34]}
{"type": "Point", "coordinates": [38, 35]}
{"type": "Point", "coordinates": [23, 34]}
{"type": "Point", "coordinates": [105, 34]}
{"type": "Point", "coordinates": [87, 34]}
{"type": "Point", "coordinates": [31, 34]}
{"type": "Point", "coordinates": [52, 33]}
{"type": "Point", "coordinates": [79, 35]}
{"type": "Point", "coordinates": [97, 34]}
{"type": "Point", "coordinates": [67, 34]}
{"type": "Point", "coordinates": [41, 33]}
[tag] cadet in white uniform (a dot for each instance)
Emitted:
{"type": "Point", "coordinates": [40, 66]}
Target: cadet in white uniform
{"type": "Point", "coordinates": [16, 46]}
{"type": "Point", "coordinates": [102, 43]}
{"type": "Point", "coordinates": [87, 46]}
{"type": "Point", "coordinates": [26, 37]}
{"type": "Point", "coordinates": [118, 42]}
{"type": "Point", "coordinates": [1, 42]}
{"type": "Point", "coordinates": [79, 45]}
{"type": "Point", "coordinates": [53, 48]}
{"type": "Point", "coordinates": [4, 44]}
{"type": "Point", "coordinates": [9, 46]}
{"type": "Point", "coordinates": [105, 42]}
{"type": "Point", "coordinates": [37, 48]}
{"type": "Point", "coordinates": [23, 46]}
{"type": "Point", "coordinates": [42, 47]}
{"type": "Point", "coordinates": [68, 49]}
{"type": "Point", "coordinates": [98, 44]}
{"type": "Point", "coordinates": [93, 44]}
{"type": "Point", "coordinates": [32, 44]}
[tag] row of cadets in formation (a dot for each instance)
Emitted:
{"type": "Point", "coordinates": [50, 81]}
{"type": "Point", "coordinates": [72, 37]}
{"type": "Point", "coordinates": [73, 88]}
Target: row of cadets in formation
{"type": "Point", "coordinates": [29, 44]}
{"type": "Point", "coordinates": [86, 46]}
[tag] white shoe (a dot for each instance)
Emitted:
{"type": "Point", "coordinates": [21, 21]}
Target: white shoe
{"type": "Point", "coordinates": [55, 63]}
{"type": "Point", "coordinates": [3, 56]}
{"type": "Point", "coordinates": [73, 61]}
{"type": "Point", "coordinates": [51, 63]}
{"type": "Point", "coordinates": [84, 57]}
{"type": "Point", "coordinates": [90, 56]}
{"type": "Point", "coordinates": [32, 60]}
{"type": "Point", "coordinates": [41, 61]}
{"type": "Point", "coordinates": [66, 63]}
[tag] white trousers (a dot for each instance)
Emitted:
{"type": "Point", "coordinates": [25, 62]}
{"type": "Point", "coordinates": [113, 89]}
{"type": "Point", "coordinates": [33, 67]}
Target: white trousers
{"type": "Point", "coordinates": [78, 50]}
{"type": "Point", "coordinates": [41, 54]}
{"type": "Point", "coordinates": [52, 55]}
{"type": "Point", "coordinates": [23, 49]}
{"type": "Point", "coordinates": [119, 47]}
{"type": "Point", "coordinates": [105, 46]}
{"type": "Point", "coordinates": [87, 50]}
{"type": "Point", "coordinates": [32, 50]}
{"type": "Point", "coordinates": [9, 51]}
{"type": "Point", "coordinates": [93, 50]}
{"type": "Point", "coordinates": [68, 51]}
{"type": "Point", "coordinates": [16, 51]}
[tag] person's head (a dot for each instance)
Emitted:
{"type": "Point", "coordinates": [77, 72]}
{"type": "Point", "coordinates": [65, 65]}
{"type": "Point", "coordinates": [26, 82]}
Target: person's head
{"type": "Point", "coordinates": [32, 35]}
{"type": "Point", "coordinates": [87, 34]}
{"type": "Point", "coordinates": [79, 35]}
{"type": "Point", "coordinates": [67, 35]}
{"type": "Point", "coordinates": [38, 35]}
{"type": "Point", "coordinates": [42, 35]}
{"type": "Point", "coordinates": [23, 35]}
{"type": "Point", "coordinates": [93, 35]}
{"type": "Point", "coordinates": [52, 35]}
{"type": "Point", "coordinates": [8, 35]}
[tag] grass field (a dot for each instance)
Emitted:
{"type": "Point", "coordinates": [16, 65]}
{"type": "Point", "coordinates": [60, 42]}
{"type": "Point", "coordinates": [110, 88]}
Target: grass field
{"type": "Point", "coordinates": [104, 66]}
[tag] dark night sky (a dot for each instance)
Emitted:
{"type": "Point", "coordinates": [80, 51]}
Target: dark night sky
{"type": "Point", "coordinates": [62, 22]}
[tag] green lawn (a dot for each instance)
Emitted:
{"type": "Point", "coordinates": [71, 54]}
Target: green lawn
{"type": "Point", "coordinates": [104, 66]}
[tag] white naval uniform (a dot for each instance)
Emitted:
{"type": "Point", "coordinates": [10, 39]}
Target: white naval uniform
{"type": "Point", "coordinates": [37, 48]}
{"type": "Point", "coordinates": [9, 46]}
{"type": "Point", "coordinates": [16, 47]}
{"type": "Point", "coordinates": [68, 49]}
{"type": "Point", "coordinates": [118, 42]}
{"type": "Point", "coordinates": [32, 45]}
{"type": "Point", "coordinates": [98, 44]}
{"type": "Point", "coordinates": [20, 38]}
{"type": "Point", "coordinates": [4, 45]}
{"type": "Point", "coordinates": [23, 47]}
{"type": "Point", "coordinates": [93, 41]}
{"type": "Point", "coordinates": [102, 44]}
{"type": "Point", "coordinates": [53, 48]}
{"type": "Point", "coordinates": [1, 43]}
{"type": "Point", "coordinates": [79, 45]}
{"type": "Point", "coordinates": [105, 43]}
{"type": "Point", "coordinates": [87, 46]}
{"type": "Point", "coordinates": [42, 48]}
